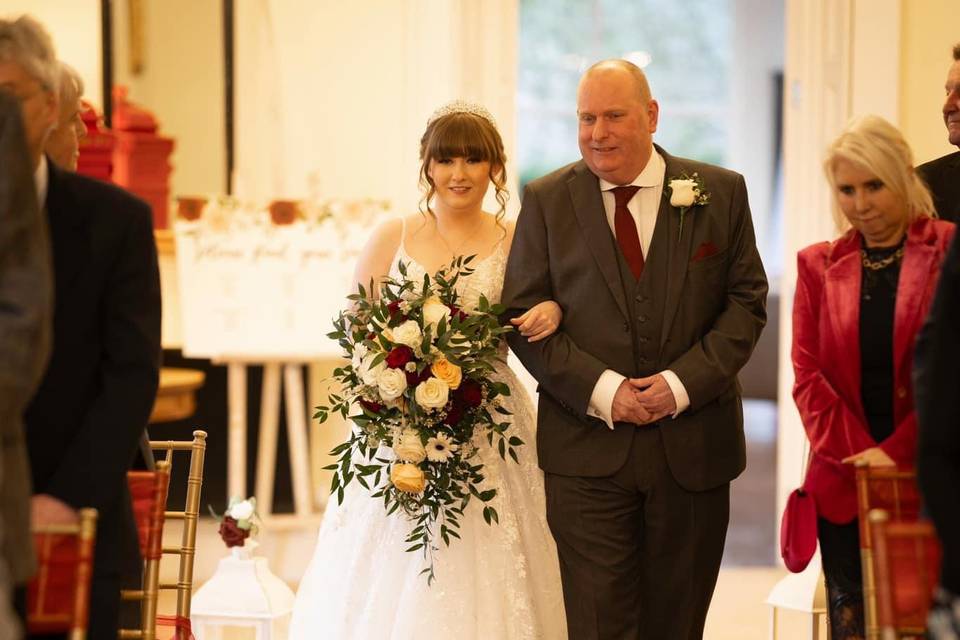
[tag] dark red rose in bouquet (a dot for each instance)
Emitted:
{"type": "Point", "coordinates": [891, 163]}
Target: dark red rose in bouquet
{"type": "Point", "coordinates": [372, 407]}
{"type": "Point", "coordinates": [414, 378]}
{"type": "Point", "coordinates": [470, 393]}
{"type": "Point", "coordinates": [232, 535]}
{"type": "Point", "coordinates": [458, 312]}
{"type": "Point", "coordinates": [393, 308]}
{"type": "Point", "coordinates": [454, 414]}
{"type": "Point", "coordinates": [399, 356]}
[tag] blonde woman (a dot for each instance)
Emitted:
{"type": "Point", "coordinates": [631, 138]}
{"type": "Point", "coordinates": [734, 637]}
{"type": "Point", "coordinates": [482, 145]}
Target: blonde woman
{"type": "Point", "coordinates": [860, 301]}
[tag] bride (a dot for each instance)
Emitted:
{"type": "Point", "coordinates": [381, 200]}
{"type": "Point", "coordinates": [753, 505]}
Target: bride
{"type": "Point", "coordinates": [499, 581]}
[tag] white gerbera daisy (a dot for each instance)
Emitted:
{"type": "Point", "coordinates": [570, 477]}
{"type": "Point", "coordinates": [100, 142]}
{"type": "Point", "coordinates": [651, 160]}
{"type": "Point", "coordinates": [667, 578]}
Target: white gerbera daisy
{"type": "Point", "coordinates": [440, 448]}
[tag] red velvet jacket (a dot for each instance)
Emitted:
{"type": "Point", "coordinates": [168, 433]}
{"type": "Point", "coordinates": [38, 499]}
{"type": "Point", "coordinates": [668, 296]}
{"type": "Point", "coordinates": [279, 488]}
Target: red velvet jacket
{"type": "Point", "coordinates": [826, 357]}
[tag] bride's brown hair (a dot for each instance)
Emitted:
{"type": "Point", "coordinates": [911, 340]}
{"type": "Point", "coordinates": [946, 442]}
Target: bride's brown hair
{"type": "Point", "coordinates": [463, 135]}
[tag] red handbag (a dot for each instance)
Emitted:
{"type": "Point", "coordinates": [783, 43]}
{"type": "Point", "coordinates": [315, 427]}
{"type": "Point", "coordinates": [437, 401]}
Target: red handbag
{"type": "Point", "coordinates": [798, 531]}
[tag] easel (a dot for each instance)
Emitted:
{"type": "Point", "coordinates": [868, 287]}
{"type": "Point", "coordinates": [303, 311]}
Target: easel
{"type": "Point", "coordinates": [269, 424]}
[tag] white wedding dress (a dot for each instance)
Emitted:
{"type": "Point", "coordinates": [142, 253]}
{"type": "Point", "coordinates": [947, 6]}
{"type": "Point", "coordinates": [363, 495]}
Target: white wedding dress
{"type": "Point", "coordinates": [499, 582]}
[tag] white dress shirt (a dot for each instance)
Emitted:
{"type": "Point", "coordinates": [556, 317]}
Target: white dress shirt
{"type": "Point", "coordinates": [643, 206]}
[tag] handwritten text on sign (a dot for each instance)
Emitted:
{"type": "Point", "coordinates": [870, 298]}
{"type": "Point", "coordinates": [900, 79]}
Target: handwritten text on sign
{"type": "Point", "coordinates": [262, 292]}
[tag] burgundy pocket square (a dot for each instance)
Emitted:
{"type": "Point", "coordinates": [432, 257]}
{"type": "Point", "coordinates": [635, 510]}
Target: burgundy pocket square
{"type": "Point", "coordinates": [704, 251]}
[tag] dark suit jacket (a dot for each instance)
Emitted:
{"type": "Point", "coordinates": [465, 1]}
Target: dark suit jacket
{"type": "Point", "coordinates": [84, 424]}
{"type": "Point", "coordinates": [563, 250]}
{"type": "Point", "coordinates": [936, 384]}
{"type": "Point", "coordinates": [826, 357]}
{"type": "Point", "coordinates": [26, 307]}
{"type": "Point", "coordinates": [943, 177]}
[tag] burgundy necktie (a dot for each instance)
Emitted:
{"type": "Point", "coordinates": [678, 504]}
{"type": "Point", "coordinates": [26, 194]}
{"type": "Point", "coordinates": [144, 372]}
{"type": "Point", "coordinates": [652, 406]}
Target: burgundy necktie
{"type": "Point", "coordinates": [626, 229]}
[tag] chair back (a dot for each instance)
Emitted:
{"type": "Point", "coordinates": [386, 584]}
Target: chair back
{"type": "Point", "coordinates": [186, 550]}
{"type": "Point", "coordinates": [895, 491]}
{"type": "Point", "coordinates": [148, 490]}
{"type": "Point", "coordinates": [58, 596]}
{"type": "Point", "coordinates": [907, 569]}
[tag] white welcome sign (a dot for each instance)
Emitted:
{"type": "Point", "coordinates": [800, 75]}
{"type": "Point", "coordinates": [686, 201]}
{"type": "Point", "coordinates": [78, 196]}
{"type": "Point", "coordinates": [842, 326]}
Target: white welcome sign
{"type": "Point", "coordinates": [263, 292]}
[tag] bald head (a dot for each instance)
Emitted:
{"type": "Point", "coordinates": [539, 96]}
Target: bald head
{"type": "Point", "coordinates": [624, 69]}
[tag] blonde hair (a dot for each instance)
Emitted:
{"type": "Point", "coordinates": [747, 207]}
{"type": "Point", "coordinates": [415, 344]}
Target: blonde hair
{"type": "Point", "coordinates": [876, 145]}
{"type": "Point", "coordinates": [27, 43]}
{"type": "Point", "coordinates": [463, 135]}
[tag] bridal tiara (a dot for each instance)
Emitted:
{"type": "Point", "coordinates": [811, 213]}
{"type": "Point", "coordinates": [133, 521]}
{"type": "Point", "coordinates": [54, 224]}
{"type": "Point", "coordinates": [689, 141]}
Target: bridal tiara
{"type": "Point", "coordinates": [462, 106]}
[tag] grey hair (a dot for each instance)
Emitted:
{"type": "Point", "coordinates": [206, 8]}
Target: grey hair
{"type": "Point", "coordinates": [26, 42]}
{"type": "Point", "coordinates": [71, 87]}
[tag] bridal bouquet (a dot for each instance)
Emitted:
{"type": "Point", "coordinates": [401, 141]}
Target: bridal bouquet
{"type": "Point", "coordinates": [420, 389]}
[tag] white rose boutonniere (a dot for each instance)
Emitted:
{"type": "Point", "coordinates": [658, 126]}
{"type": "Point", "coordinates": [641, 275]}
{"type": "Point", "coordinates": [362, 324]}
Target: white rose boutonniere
{"type": "Point", "coordinates": [687, 192]}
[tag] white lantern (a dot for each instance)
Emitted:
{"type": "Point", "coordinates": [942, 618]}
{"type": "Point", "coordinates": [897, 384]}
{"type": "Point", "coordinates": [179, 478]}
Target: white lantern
{"type": "Point", "coordinates": [242, 594]}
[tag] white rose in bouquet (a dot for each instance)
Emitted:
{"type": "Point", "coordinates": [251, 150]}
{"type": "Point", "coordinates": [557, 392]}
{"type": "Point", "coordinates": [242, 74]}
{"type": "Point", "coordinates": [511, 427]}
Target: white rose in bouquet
{"type": "Point", "coordinates": [683, 193]}
{"type": "Point", "coordinates": [432, 393]}
{"type": "Point", "coordinates": [409, 448]}
{"type": "Point", "coordinates": [434, 310]}
{"type": "Point", "coordinates": [392, 383]}
{"type": "Point", "coordinates": [469, 300]}
{"type": "Point", "coordinates": [371, 374]}
{"type": "Point", "coordinates": [407, 333]}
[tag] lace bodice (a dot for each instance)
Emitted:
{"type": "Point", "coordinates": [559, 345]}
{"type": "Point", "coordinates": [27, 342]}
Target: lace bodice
{"type": "Point", "coordinates": [486, 279]}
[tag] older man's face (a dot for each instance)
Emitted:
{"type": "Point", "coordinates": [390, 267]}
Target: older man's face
{"type": "Point", "coordinates": [38, 105]}
{"type": "Point", "coordinates": [616, 126]}
{"type": "Point", "coordinates": [951, 105]}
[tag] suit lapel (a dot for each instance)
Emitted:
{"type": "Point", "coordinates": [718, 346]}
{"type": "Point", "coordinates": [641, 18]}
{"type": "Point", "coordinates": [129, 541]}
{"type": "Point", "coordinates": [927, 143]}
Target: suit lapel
{"type": "Point", "coordinates": [678, 244]}
{"type": "Point", "coordinates": [67, 235]}
{"type": "Point", "coordinates": [842, 282]}
{"type": "Point", "coordinates": [588, 207]}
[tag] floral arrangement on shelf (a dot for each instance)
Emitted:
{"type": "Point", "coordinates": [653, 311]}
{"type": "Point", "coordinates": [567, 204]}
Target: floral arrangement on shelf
{"type": "Point", "coordinates": [238, 522]}
{"type": "Point", "coordinates": [420, 389]}
{"type": "Point", "coordinates": [222, 213]}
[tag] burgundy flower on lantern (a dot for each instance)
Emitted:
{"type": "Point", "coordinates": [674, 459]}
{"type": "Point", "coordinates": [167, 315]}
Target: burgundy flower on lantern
{"type": "Point", "coordinates": [232, 535]}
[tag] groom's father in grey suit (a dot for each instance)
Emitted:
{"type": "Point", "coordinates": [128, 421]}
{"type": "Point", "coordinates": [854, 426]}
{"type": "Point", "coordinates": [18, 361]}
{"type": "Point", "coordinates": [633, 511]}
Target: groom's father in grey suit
{"type": "Point", "coordinates": [640, 427]}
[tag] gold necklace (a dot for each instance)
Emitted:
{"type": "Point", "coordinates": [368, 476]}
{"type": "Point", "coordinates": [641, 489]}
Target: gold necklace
{"type": "Point", "coordinates": [876, 265]}
{"type": "Point", "coordinates": [469, 235]}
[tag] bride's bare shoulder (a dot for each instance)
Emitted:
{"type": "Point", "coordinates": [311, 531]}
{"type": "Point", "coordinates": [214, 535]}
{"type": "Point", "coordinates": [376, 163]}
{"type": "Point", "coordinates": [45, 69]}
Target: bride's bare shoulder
{"type": "Point", "coordinates": [377, 255]}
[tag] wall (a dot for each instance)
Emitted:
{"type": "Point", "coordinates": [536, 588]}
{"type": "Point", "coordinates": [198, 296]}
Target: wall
{"type": "Point", "coordinates": [355, 83]}
{"type": "Point", "coordinates": [927, 35]}
{"type": "Point", "coordinates": [182, 83]}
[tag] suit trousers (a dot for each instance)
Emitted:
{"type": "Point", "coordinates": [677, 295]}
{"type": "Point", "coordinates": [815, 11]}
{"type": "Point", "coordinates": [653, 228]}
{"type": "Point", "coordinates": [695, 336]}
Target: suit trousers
{"type": "Point", "coordinates": [639, 554]}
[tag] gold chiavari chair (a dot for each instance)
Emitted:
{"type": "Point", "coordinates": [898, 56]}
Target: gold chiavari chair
{"type": "Point", "coordinates": [186, 550]}
{"type": "Point", "coordinates": [895, 491]}
{"type": "Point", "coordinates": [58, 596]}
{"type": "Point", "coordinates": [906, 569]}
{"type": "Point", "coordinates": [148, 490]}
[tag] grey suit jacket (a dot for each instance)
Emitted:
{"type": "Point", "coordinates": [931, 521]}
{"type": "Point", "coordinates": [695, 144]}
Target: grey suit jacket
{"type": "Point", "coordinates": [26, 302]}
{"type": "Point", "coordinates": [713, 311]}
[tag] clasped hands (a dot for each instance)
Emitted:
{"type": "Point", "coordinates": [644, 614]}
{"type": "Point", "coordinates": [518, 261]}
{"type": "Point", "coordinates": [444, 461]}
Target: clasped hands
{"type": "Point", "coordinates": [643, 401]}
